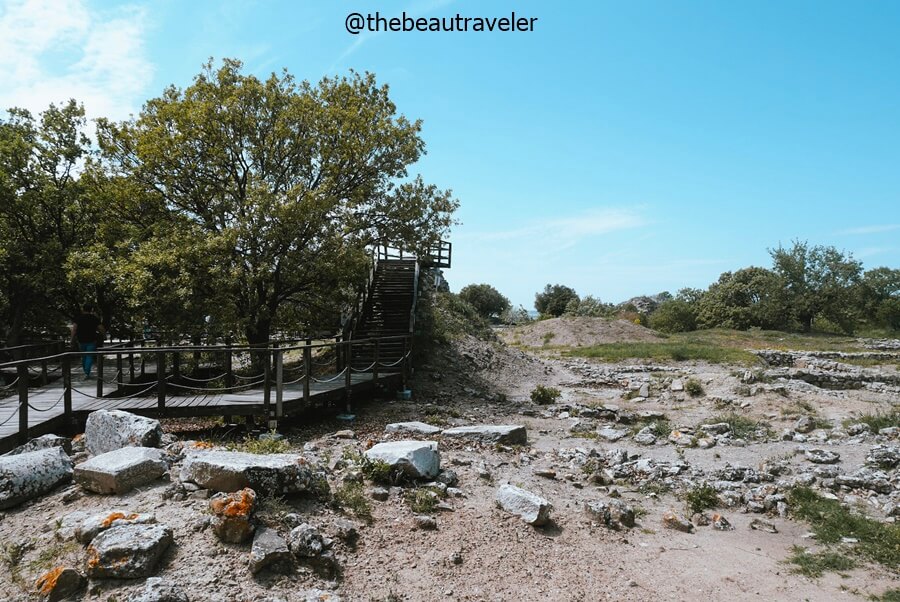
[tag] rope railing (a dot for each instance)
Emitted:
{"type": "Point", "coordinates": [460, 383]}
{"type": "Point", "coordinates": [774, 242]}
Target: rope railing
{"type": "Point", "coordinates": [329, 380]}
{"type": "Point", "coordinates": [56, 403]}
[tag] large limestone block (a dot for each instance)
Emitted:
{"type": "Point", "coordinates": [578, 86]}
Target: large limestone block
{"type": "Point", "coordinates": [120, 470]}
{"type": "Point", "coordinates": [530, 507]}
{"type": "Point", "coordinates": [412, 428]}
{"type": "Point", "coordinates": [510, 434]}
{"type": "Point", "coordinates": [231, 471]}
{"type": "Point", "coordinates": [29, 475]}
{"type": "Point", "coordinates": [42, 442]}
{"type": "Point", "coordinates": [416, 459]}
{"type": "Point", "coordinates": [107, 430]}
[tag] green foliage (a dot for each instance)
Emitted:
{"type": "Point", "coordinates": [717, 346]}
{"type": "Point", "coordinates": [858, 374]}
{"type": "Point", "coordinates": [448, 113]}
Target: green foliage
{"type": "Point", "coordinates": [741, 426]}
{"type": "Point", "coordinates": [589, 307]}
{"type": "Point", "coordinates": [515, 316]}
{"type": "Point", "coordinates": [545, 395]}
{"type": "Point", "coordinates": [878, 420]}
{"type": "Point", "coordinates": [890, 595]}
{"type": "Point", "coordinates": [816, 564]}
{"type": "Point", "coordinates": [422, 500]}
{"type": "Point", "coordinates": [486, 300]}
{"type": "Point", "coordinates": [452, 318]}
{"type": "Point", "coordinates": [254, 445]}
{"type": "Point", "coordinates": [667, 350]}
{"type": "Point", "coordinates": [700, 497]}
{"type": "Point", "coordinates": [831, 521]}
{"type": "Point", "coordinates": [379, 471]}
{"type": "Point", "coordinates": [554, 299]}
{"type": "Point", "coordinates": [820, 281]}
{"type": "Point", "coordinates": [674, 316]}
{"type": "Point", "coordinates": [752, 297]}
{"type": "Point", "coordinates": [693, 387]}
{"type": "Point", "coordinates": [352, 497]}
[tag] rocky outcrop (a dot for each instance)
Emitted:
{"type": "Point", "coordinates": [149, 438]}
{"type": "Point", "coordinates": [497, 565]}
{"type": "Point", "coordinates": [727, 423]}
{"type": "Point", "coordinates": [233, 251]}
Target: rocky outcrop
{"type": "Point", "coordinates": [31, 474]}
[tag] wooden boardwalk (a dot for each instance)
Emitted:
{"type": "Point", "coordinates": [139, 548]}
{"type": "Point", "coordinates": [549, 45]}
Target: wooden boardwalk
{"type": "Point", "coordinates": [46, 413]}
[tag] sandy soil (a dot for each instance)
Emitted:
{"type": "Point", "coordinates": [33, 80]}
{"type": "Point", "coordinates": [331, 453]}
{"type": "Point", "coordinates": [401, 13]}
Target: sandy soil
{"type": "Point", "coordinates": [479, 552]}
{"type": "Point", "coordinates": [577, 332]}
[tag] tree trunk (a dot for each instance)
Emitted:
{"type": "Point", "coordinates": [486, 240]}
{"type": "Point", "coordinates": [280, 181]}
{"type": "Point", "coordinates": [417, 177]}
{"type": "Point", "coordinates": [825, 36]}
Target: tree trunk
{"type": "Point", "coordinates": [258, 336]}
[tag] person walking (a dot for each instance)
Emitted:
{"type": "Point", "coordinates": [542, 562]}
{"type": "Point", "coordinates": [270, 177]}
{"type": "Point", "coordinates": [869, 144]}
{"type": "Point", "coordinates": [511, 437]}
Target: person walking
{"type": "Point", "coordinates": [86, 330]}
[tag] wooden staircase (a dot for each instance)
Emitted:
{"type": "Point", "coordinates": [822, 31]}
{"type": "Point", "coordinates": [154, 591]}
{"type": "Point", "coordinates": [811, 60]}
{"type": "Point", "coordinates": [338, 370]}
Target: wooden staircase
{"type": "Point", "coordinates": [389, 310]}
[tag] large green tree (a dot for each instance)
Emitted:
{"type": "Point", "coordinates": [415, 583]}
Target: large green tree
{"type": "Point", "coordinates": [44, 217]}
{"type": "Point", "coordinates": [489, 302]}
{"type": "Point", "coordinates": [820, 282]}
{"type": "Point", "coordinates": [745, 298]}
{"type": "Point", "coordinates": [554, 299]}
{"type": "Point", "coordinates": [266, 194]}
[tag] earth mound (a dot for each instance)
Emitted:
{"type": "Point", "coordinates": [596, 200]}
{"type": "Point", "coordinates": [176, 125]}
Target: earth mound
{"type": "Point", "coordinates": [578, 332]}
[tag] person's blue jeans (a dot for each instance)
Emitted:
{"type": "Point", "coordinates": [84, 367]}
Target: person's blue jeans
{"type": "Point", "coordinates": [87, 361]}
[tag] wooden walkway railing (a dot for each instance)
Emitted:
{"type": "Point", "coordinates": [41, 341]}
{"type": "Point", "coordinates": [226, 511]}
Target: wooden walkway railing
{"type": "Point", "coordinates": [218, 380]}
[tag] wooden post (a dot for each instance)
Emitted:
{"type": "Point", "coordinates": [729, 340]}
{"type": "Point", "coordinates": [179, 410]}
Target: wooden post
{"type": "Point", "coordinates": [375, 364]}
{"type": "Point", "coordinates": [131, 366]}
{"type": "Point", "coordinates": [120, 376]}
{"type": "Point", "coordinates": [176, 366]}
{"type": "Point", "coordinates": [43, 373]}
{"type": "Point", "coordinates": [348, 384]}
{"type": "Point", "coordinates": [161, 382]}
{"type": "Point", "coordinates": [67, 391]}
{"type": "Point", "coordinates": [307, 371]}
{"type": "Point", "coordinates": [267, 389]}
{"type": "Point", "coordinates": [337, 354]}
{"type": "Point", "coordinates": [99, 358]}
{"type": "Point", "coordinates": [279, 383]}
{"type": "Point", "coordinates": [229, 367]}
{"type": "Point", "coordinates": [22, 370]}
{"type": "Point", "coordinates": [143, 362]}
{"type": "Point", "coordinates": [403, 364]}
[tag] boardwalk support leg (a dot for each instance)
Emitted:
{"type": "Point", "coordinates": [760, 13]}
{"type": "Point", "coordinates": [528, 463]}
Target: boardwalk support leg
{"type": "Point", "coordinates": [23, 403]}
{"type": "Point", "coordinates": [120, 375]}
{"type": "Point", "coordinates": [279, 383]}
{"type": "Point", "coordinates": [161, 383]}
{"type": "Point", "coordinates": [307, 371]}
{"type": "Point", "coordinates": [67, 393]}
{"type": "Point", "coordinates": [348, 382]}
{"type": "Point", "coordinates": [99, 357]}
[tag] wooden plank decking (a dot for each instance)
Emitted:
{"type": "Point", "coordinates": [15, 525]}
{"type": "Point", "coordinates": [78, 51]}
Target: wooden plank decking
{"type": "Point", "coordinates": [45, 413]}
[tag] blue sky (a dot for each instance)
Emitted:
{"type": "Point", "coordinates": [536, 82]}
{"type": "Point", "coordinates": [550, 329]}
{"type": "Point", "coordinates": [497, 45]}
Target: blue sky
{"type": "Point", "coordinates": [619, 148]}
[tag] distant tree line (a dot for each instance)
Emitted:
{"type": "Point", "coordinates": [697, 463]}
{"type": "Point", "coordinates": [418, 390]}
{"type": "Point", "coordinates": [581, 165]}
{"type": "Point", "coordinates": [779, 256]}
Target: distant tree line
{"type": "Point", "coordinates": [235, 205]}
{"type": "Point", "coordinates": [807, 287]}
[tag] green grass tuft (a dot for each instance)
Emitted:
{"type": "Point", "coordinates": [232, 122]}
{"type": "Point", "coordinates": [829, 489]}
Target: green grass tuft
{"type": "Point", "coordinates": [741, 426]}
{"type": "Point", "coordinates": [545, 395]}
{"type": "Point", "coordinates": [701, 497]}
{"type": "Point", "coordinates": [693, 387]}
{"type": "Point", "coordinates": [667, 350]}
{"type": "Point", "coordinates": [352, 497]}
{"type": "Point", "coordinates": [816, 564]}
{"type": "Point", "coordinates": [878, 421]}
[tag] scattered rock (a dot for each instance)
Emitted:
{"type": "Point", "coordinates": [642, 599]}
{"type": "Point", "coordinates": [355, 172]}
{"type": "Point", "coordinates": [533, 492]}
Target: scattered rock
{"type": "Point", "coordinates": [671, 520]}
{"type": "Point", "coordinates": [231, 515]}
{"type": "Point", "coordinates": [645, 436]}
{"type": "Point", "coordinates": [611, 434]}
{"type": "Point", "coordinates": [614, 514]}
{"type": "Point", "coordinates": [230, 471]}
{"type": "Point", "coordinates": [157, 590]}
{"type": "Point", "coordinates": [305, 541]}
{"type": "Point", "coordinates": [127, 551]}
{"type": "Point", "coordinates": [677, 385]}
{"type": "Point", "coordinates": [884, 456]}
{"type": "Point", "coordinates": [28, 475]}
{"type": "Point", "coordinates": [762, 525]}
{"type": "Point", "coordinates": [448, 477]}
{"type": "Point", "coordinates": [120, 470]}
{"type": "Point", "coordinates": [107, 430]}
{"type": "Point", "coordinates": [413, 428]}
{"type": "Point", "coordinates": [805, 424]}
{"type": "Point", "coordinates": [416, 459]}
{"type": "Point", "coordinates": [701, 519]}
{"type": "Point", "coordinates": [346, 531]}
{"type": "Point", "coordinates": [59, 583]}
{"type": "Point", "coordinates": [424, 522]}
{"type": "Point", "coordinates": [268, 549]}
{"type": "Point", "coordinates": [379, 494]}
{"type": "Point", "coordinates": [43, 442]}
{"type": "Point", "coordinates": [509, 434]}
{"type": "Point", "coordinates": [822, 456]}
{"type": "Point", "coordinates": [528, 506]}
{"type": "Point", "coordinates": [720, 523]}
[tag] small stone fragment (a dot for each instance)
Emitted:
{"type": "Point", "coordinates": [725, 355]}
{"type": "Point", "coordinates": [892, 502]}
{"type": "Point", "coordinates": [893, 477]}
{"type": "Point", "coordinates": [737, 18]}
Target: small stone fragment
{"type": "Point", "coordinates": [92, 526]}
{"type": "Point", "coordinates": [720, 523]}
{"type": "Point", "coordinates": [416, 459]}
{"type": "Point", "coordinates": [127, 551]}
{"type": "Point", "coordinates": [762, 525]}
{"type": "Point", "coordinates": [671, 520]}
{"type": "Point", "coordinates": [531, 508]}
{"type": "Point", "coordinates": [822, 456]}
{"type": "Point", "coordinates": [268, 549]}
{"type": "Point", "coordinates": [413, 428]}
{"type": "Point", "coordinates": [424, 522]}
{"type": "Point", "coordinates": [157, 590]}
{"type": "Point", "coordinates": [379, 494]}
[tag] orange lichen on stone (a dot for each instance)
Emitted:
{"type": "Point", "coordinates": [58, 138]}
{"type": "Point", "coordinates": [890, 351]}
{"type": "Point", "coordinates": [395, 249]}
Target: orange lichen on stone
{"type": "Point", "coordinates": [116, 516]}
{"type": "Point", "coordinates": [240, 503]}
{"type": "Point", "coordinates": [202, 445]}
{"type": "Point", "coordinates": [77, 437]}
{"type": "Point", "coordinates": [47, 582]}
{"type": "Point", "coordinates": [93, 557]}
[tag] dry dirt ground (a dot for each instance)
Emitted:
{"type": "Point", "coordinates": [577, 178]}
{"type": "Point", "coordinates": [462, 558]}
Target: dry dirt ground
{"type": "Point", "coordinates": [479, 552]}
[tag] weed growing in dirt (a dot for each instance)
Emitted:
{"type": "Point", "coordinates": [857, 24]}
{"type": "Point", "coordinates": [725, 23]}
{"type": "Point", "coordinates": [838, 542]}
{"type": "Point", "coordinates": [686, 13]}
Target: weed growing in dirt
{"type": "Point", "coordinates": [878, 542]}
{"type": "Point", "coordinates": [423, 500]}
{"type": "Point", "coordinates": [741, 426]}
{"type": "Point", "coordinates": [545, 395]}
{"type": "Point", "coordinates": [814, 565]}
{"type": "Point", "coordinates": [379, 471]}
{"type": "Point", "coordinates": [268, 445]}
{"type": "Point", "coordinates": [891, 595]}
{"type": "Point", "coordinates": [693, 387]}
{"type": "Point", "coordinates": [879, 420]}
{"type": "Point", "coordinates": [272, 509]}
{"type": "Point", "coordinates": [660, 427]}
{"type": "Point", "coordinates": [701, 497]}
{"type": "Point", "coordinates": [352, 496]}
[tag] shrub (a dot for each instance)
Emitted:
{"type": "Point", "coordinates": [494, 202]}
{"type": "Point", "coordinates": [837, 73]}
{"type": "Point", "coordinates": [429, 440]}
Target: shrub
{"type": "Point", "coordinates": [542, 395]}
{"type": "Point", "coordinates": [674, 316]}
{"type": "Point", "coordinates": [486, 300]}
{"type": "Point", "coordinates": [693, 387]}
{"type": "Point", "coordinates": [700, 498]}
{"type": "Point", "coordinates": [352, 496]}
{"type": "Point", "coordinates": [554, 299]}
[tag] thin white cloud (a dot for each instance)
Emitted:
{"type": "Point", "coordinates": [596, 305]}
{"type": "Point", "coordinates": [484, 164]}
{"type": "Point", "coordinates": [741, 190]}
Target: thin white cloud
{"type": "Point", "coordinates": [871, 229]}
{"type": "Point", "coordinates": [54, 50]}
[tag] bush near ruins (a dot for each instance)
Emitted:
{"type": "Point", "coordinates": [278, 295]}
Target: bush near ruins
{"type": "Point", "coordinates": [486, 300]}
{"type": "Point", "coordinates": [545, 395]}
{"type": "Point", "coordinates": [554, 299]}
